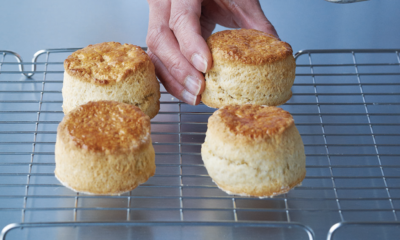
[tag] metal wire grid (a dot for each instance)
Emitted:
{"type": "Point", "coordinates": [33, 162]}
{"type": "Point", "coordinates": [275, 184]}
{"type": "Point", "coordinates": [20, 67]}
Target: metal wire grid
{"type": "Point", "coordinates": [346, 105]}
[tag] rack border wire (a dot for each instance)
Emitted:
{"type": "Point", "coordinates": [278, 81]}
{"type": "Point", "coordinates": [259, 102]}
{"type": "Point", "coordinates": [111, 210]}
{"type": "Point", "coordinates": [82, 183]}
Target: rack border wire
{"type": "Point", "coordinates": [308, 230]}
{"type": "Point", "coordinates": [184, 112]}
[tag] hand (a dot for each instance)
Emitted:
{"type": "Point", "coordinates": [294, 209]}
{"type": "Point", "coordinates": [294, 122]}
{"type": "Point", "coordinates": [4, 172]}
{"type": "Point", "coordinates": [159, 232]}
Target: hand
{"type": "Point", "coordinates": [177, 33]}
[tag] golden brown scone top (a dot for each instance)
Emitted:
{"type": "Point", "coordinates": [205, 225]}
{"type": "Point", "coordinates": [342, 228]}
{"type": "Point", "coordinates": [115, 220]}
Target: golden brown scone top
{"type": "Point", "coordinates": [254, 121]}
{"type": "Point", "coordinates": [106, 63]}
{"type": "Point", "coordinates": [107, 126]}
{"type": "Point", "coordinates": [248, 46]}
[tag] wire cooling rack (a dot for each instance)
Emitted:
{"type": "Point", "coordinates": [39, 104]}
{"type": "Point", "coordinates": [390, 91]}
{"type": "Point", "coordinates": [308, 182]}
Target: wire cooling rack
{"type": "Point", "coordinates": [346, 105]}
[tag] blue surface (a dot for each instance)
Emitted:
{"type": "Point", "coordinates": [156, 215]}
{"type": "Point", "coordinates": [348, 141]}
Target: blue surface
{"type": "Point", "coordinates": [27, 26]}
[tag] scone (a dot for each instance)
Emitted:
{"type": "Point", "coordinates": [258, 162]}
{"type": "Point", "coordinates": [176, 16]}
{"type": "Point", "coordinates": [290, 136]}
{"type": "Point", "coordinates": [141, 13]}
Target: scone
{"type": "Point", "coordinates": [111, 71]}
{"type": "Point", "coordinates": [104, 148]}
{"type": "Point", "coordinates": [249, 66]}
{"type": "Point", "coordinates": [253, 150]}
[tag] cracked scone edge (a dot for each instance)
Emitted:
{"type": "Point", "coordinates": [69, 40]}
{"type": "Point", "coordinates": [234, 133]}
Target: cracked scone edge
{"type": "Point", "coordinates": [253, 164]}
{"type": "Point", "coordinates": [127, 76]}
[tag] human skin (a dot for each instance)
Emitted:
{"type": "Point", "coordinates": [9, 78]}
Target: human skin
{"type": "Point", "coordinates": [176, 39]}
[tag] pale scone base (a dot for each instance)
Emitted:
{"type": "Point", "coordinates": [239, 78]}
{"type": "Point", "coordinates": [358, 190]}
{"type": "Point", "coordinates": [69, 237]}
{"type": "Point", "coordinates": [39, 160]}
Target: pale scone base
{"type": "Point", "coordinates": [141, 90]}
{"type": "Point", "coordinates": [271, 194]}
{"type": "Point", "coordinates": [88, 193]}
{"type": "Point", "coordinates": [235, 83]}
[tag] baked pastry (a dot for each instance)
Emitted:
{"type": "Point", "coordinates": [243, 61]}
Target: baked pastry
{"type": "Point", "coordinates": [104, 147]}
{"type": "Point", "coordinates": [249, 66]}
{"type": "Point", "coordinates": [253, 150]}
{"type": "Point", "coordinates": [111, 71]}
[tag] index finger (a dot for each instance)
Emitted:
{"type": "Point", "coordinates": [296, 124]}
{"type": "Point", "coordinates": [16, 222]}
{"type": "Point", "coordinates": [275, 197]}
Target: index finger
{"type": "Point", "coordinates": [185, 22]}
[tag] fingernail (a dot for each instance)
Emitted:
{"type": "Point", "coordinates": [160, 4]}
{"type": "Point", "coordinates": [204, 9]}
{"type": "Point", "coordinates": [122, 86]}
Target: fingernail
{"type": "Point", "coordinates": [188, 97]}
{"type": "Point", "coordinates": [199, 62]}
{"type": "Point", "coordinates": [193, 85]}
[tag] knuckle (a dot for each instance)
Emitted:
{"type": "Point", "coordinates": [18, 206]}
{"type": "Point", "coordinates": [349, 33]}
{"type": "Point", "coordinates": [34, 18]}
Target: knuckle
{"type": "Point", "coordinates": [178, 19]}
{"type": "Point", "coordinates": [155, 36]}
{"type": "Point", "coordinates": [174, 67]}
{"type": "Point", "coordinates": [186, 45]}
{"type": "Point", "coordinates": [153, 57]}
